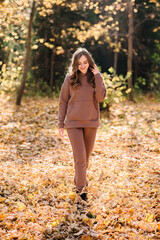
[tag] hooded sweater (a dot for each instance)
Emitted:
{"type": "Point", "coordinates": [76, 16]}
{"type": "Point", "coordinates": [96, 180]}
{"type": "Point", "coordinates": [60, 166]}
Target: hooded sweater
{"type": "Point", "coordinates": [80, 107]}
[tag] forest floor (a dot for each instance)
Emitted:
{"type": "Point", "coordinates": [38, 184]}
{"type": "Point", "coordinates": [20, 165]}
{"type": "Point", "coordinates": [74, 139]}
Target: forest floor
{"type": "Point", "coordinates": [37, 200]}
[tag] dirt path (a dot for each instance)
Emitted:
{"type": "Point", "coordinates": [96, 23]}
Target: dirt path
{"type": "Point", "coordinates": [36, 175]}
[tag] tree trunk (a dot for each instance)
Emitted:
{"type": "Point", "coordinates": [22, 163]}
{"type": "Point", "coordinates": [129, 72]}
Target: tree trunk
{"type": "Point", "coordinates": [26, 61]}
{"type": "Point", "coordinates": [116, 49]}
{"type": "Point", "coordinates": [135, 68]}
{"type": "Point", "coordinates": [52, 70]}
{"type": "Point", "coordinates": [130, 47]}
{"type": "Point", "coordinates": [115, 55]}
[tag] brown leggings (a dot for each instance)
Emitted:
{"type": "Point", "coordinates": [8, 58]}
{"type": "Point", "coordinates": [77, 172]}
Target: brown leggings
{"type": "Point", "coordinates": [82, 142]}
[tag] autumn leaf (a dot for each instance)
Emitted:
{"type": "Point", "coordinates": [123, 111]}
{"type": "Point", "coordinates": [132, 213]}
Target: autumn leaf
{"type": "Point", "coordinates": [2, 216]}
{"type": "Point", "coordinates": [21, 206]}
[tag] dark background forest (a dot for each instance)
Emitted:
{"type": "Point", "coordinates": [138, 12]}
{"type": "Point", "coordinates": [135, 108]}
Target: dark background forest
{"type": "Point", "coordinates": [122, 36]}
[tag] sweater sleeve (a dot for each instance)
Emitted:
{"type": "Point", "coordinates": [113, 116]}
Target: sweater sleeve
{"type": "Point", "coordinates": [100, 90]}
{"type": "Point", "coordinates": [63, 102]}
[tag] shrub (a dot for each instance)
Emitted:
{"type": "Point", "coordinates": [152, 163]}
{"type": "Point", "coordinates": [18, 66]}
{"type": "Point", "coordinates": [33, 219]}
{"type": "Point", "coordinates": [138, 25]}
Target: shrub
{"type": "Point", "coordinates": [116, 87]}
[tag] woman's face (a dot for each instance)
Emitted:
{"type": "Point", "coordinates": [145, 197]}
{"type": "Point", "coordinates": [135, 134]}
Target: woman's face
{"type": "Point", "coordinates": [83, 64]}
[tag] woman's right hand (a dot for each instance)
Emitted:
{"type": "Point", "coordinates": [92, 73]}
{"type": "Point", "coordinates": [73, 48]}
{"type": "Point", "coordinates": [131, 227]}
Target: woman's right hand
{"type": "Point", "coordinates": [61, 132]}
{"type": "Point", "coordinates": [95, 70]}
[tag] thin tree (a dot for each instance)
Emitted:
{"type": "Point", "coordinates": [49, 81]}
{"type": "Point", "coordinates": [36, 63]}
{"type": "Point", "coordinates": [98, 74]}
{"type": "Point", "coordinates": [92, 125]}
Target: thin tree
{"type": "Point", "coordinates": [52, 69]}
{"type": "Point", "coordinates": [130, 47]}
{"type": "Point", "coordinates": [115, 54]}
{"type": "Point", "coordinates": [116, 48]}
{"type": "Point", "coordinates": [52, 64]}
{"type": "Point", "coordinates": [27, 57]}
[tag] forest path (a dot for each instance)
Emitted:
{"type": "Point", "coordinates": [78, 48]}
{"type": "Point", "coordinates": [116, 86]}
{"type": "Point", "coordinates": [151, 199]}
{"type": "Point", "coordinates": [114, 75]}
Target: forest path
{"type": "Point", "coordinates": [36, 174]}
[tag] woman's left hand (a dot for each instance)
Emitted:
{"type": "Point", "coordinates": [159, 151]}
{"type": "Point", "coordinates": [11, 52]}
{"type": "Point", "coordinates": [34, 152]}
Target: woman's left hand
{"type": "Point", "coordinates": [61, 132]}
{"type": "Point", "coordinates": [95, 70]}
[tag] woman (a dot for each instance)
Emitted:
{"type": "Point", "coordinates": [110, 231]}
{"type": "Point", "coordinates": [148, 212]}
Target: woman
{"type": "Point", "coordinates": [81, 92]}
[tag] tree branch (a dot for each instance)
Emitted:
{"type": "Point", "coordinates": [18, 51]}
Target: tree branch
{"type": "Point", "coordinates": [145, 19]}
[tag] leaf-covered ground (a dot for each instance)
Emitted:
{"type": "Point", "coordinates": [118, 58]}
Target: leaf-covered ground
{"type": "Point", "coordinates": [37, 200]}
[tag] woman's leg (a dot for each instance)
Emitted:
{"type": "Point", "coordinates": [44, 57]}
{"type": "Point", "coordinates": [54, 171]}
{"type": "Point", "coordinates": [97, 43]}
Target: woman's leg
{"type": "Point", "coordinates": [76, 137]}
{"type": "Point", "coordinates": [89, 140]}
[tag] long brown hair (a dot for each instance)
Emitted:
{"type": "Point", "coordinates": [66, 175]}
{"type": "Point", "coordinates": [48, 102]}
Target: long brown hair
{"type": "Point", "coordinates": [73, 68]}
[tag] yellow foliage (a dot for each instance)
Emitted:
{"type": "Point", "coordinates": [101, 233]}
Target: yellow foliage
{"type": "Point", "coordinates": [150, 217]}
{"type": "Point", "coordinates": [2, 199]}
{"type": "Point", "coordinates": [153, 1]}
{"type": "Point", "coordinates": [2, 216]}
{"type": "Point", "coordinates": [86, 238]}
{"type": "Point", "coordinates": [52, 39]}
{"type": "Point", "coordinates": [59, 50]}
{"type": "Point", "coordinates": [128, 90]}
{"type": "Point", "coordinates": [156, 29]}
{"type": "Point", "coordinates": [34, 47]}
{"type": "Point", "coordinates": [73, 6]}
{"type": "Point", "coordinates": [158, 227]}
{"type": "Point", "coordinates": [41, 40]}
{"type": "Point", "coordinates": [55, 223]}
{"type": "Point", "coordinates": [21, 206]}
{"type": "Point", "coordinates": [72, 195]}
{"type": "Point", "coordinates": [96, 11]}
{"type": "Point", "coordinates": [30, 196]}
{"type": "Point", "coordinates": [111, 7]}
{"type": "Point", "coordinates": [110, 19]}
{"type": "Point", "coordinates": [49, 45]}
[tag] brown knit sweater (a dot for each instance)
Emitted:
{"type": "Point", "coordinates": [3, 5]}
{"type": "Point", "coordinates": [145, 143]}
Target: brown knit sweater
{"type": "Point", "coordinates": [80, 107]}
